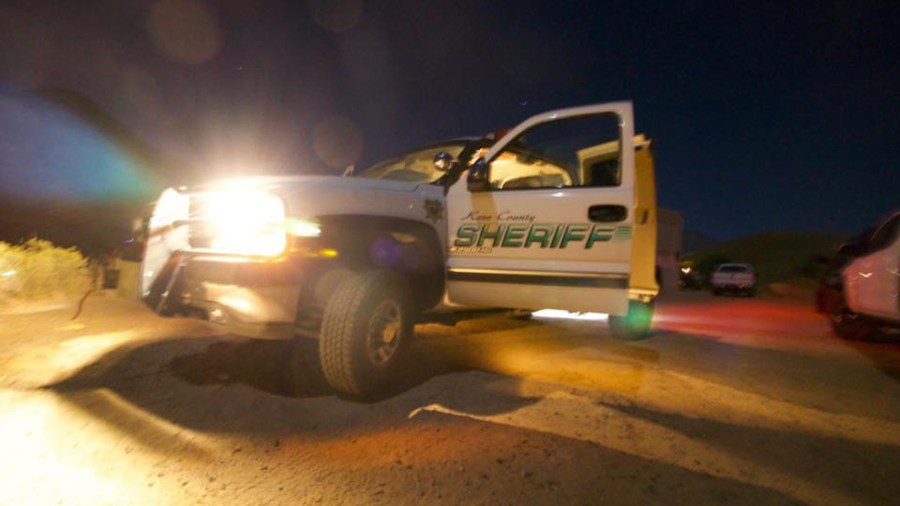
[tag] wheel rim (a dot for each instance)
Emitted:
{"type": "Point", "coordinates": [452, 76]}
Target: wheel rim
{"type": "Point", "coordinates": [385, 329]}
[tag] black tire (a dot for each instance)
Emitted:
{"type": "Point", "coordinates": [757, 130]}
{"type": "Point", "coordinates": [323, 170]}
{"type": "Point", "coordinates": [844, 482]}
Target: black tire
{"type": "Point", "coordinates": [366, 330]}
{"type": "Point", "coordinates": [716, 292]}
{"type": "Point", "coordinates": [851, 326]}
{"type": "Point", "coordinates": [635, 325]}
{"type": "Point", "coordinates": [847, 324]}
{"type": "Point", "coordinates": [751, 292]}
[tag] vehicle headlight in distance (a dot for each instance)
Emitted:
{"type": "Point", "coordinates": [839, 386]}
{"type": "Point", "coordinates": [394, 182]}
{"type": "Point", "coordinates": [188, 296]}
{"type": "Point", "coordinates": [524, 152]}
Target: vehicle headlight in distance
{"type": "Point", "coordinates": [247, 222]}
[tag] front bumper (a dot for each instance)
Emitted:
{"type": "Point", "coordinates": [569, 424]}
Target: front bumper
{"type": "Point", "coordinates": [246, 297]}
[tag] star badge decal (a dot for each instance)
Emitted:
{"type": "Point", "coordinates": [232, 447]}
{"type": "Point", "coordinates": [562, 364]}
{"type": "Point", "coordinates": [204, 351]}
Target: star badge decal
{"type": "Point", "coordinates": [434, 210]}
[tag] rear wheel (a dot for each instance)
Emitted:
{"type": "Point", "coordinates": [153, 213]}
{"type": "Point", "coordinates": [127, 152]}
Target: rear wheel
{"type": "Point", "coordinates": [366, 330]}
{"type": "Point", "coordinates": [850, 325]}
{"type": "Point", "coordinates": [636, 324]}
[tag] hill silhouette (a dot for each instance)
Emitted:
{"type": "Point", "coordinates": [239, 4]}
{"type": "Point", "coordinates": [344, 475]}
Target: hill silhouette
{"type": "Point", "coordinates": [776, 256]}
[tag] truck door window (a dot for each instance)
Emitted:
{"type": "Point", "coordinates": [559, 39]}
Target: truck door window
{"type": "Point", "coordinates": [582, 151]}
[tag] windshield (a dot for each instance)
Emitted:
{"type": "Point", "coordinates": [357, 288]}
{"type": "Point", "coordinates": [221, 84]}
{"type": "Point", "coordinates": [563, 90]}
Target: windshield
{"type": "Point", "coordinates": [416, 166]}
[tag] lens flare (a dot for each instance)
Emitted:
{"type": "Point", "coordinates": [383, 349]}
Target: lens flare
{"type": "Point", "coordinates": [51, 154]}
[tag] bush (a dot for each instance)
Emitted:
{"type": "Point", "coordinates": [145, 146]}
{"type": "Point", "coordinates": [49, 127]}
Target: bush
{"type": "Point", "coordinates": [38, 270]}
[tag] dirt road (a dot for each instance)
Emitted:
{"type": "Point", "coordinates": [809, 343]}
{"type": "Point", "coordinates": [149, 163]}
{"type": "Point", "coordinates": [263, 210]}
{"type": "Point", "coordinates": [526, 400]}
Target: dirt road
{"type": "Point", "coordinates": [731, 401]}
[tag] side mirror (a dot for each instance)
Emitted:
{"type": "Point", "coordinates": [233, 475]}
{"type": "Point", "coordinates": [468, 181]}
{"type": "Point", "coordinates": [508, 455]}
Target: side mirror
{"type": "Point", "coordinates": [444, 161]}
{"type": "Point", "coordinates": [477, 180]}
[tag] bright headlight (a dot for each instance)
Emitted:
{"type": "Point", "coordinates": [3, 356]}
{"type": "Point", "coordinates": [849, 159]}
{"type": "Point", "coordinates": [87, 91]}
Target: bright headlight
{"type": "Point", "coordinates": [246, 221]}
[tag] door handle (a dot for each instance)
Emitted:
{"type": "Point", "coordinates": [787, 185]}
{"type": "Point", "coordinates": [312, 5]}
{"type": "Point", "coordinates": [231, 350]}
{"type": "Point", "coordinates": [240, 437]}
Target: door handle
{"type": "Point", "coordinates": [607, 213]}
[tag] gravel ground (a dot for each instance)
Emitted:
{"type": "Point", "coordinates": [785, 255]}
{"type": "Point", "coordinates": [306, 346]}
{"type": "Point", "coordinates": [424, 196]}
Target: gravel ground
{"type": "Point", "coordinates": [730, 401]}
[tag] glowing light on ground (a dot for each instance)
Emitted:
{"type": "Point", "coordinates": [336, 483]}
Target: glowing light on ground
{"type": "Point", "coordinates": [82, 350]}
{"type": "Point", "coordinates": [55, 452]}
{"type": "Point", "coordinates": [566, 315]}
{"type": "Point", "coordinates": [34, 469]}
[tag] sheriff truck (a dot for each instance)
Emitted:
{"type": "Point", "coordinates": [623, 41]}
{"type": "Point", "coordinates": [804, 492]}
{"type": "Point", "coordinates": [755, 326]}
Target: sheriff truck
{"type": "Point", "coordinates": [560, 213]}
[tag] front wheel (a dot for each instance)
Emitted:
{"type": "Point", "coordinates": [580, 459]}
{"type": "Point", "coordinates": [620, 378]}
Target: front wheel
{"type": "Point", "coordinates": [366, 330]}
{"type": "Point", "coordinates": [636, 324]}
{"type": "Point", "coordinates": [848, 324]}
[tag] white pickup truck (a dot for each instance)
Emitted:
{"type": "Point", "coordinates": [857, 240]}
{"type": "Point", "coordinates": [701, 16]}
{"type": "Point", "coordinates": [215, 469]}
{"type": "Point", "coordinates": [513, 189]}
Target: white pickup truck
{"type": "Point", "coordinates": [559, 213]}
{"type": "Point", "coordinates": [733, 278]}
{"type": "Point", "coordinates": [860, 291]}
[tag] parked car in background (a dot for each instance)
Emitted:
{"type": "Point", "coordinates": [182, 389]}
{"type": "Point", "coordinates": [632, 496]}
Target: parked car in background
{"type": "Point", "coordinates": [860, 290]}
{"type": "Point", "coordinates": [733, 278]}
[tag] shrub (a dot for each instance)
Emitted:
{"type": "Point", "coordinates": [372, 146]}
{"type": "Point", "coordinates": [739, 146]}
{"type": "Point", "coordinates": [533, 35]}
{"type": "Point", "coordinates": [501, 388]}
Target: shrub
{"type": "Point", "coordinates": [36, 269]}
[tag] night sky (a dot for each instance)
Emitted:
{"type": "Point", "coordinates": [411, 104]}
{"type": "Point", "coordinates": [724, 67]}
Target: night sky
{"type": "Point", "coordinates": [773, 116]}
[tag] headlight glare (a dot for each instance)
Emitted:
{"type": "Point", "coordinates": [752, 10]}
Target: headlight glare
{"type": "Point", "coordinates": [246, 222]}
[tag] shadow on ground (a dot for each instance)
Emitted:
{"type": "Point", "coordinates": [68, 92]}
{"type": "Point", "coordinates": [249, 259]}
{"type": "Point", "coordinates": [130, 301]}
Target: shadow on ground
{"type": "Point", "coordinates": [229, 384]}
{"type": "Point", "coordinates": [883, 349]}
{"type": "Point", "coordinates": [291, 369]}
{"type": "Point", "coordinates": [864, 470]}
{"type": "Point", "coordinates": [263, 365]}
